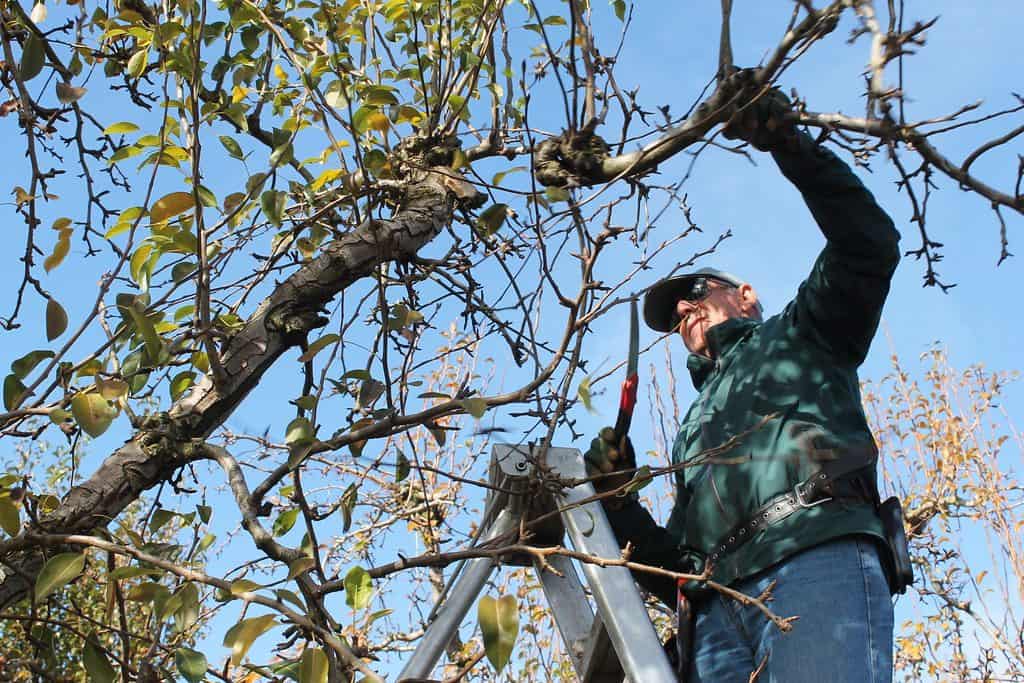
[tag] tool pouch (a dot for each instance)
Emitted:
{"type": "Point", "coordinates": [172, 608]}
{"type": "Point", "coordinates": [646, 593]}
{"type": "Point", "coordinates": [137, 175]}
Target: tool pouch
{"type": "Point", "coordinates": [901, 572]}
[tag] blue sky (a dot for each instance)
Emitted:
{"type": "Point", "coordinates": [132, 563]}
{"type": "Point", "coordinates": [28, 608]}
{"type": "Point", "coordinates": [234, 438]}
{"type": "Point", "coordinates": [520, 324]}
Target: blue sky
{"type": "Point", "coordinates": [669, 54]}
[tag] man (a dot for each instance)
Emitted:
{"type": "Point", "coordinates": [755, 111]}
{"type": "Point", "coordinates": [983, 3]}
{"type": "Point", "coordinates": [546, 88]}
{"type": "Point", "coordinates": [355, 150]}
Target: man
{"type": "Point", "coordinates": [776, 487]}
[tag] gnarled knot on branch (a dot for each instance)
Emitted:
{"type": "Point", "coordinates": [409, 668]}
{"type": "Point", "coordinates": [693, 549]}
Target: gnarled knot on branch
{"type": "Point", "coordinates": [571, 159]}
{"type": "Point", "coordinates": [426, 151]}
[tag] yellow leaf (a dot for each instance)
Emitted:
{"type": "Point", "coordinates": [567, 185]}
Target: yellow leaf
{"type": "Point", "coordinates": [92, 413]}
{"type": "Point", "coordinates": [378, 121]}
{"type": "Point", "coordinates": [60, 250]}
{"type": "Point", "coordinates": [170, 205]}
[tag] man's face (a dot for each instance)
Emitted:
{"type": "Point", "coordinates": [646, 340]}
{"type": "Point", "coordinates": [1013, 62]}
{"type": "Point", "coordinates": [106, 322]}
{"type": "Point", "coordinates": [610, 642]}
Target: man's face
{"type": "Point", "coordinates": [722, 302]}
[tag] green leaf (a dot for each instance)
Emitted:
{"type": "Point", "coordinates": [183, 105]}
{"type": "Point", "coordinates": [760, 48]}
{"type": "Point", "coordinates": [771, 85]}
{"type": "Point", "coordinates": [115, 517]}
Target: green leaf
{"type": "Point", "coordinates": [147, 329]}
{"type": "Point", "coordinates": [300, 566]}
{"type": "Point", "coordinates": [206, 196]}
{"type": "Point", "coordinates": [137, 63]}
{"type": "Point", "coordinates": [181, 383]}
{"type": "Point", "coordinates": [120, 128]}
{"type": "Point", "coordinates": [620, 9]}
{"type": "Point", "coordinates": [10, 518]}
{"type": "Point", "coordinates": [147, 592]}
{"type": "Point", "coordinates": [92, 412]}
{"type": "Point", "coordinates": [317, 346]}
{"type": "Point", "coordinates": [240, 637]}
{"type": "Point", "coordinates": [180, 271]}
{"type": "Point", "coordinates": [170, 205]}
{"type": "Point", "coordinates": [56, 319]}
{"type": "Point", "coordinates": [285, 595]}
{"type": "Point", "coordinates": [348, 504]}
{"type": "Point", "coordinates": [33, 57]}
{"type": "Point", "coordinates": [272, 202]}
{"type": "Point", "coordinates": [206, 542]}
{"type": "Point", "coordinates": [205, 513]}
{"type": "Point", "coordinates": [232, 146]}
{"type": "Point", "coordinates": [369, 391]}
{"type": "Point", "coordinates": [58, 571]}
{"type": "Point", "coordinates": [191, 664]}
{"type": "Point", "coordinates": [299, 432]}
{"type": "Point", "coordinates": [557, 194]}
{"type": "Point", "coordinates": [306, 402]}
{"type": "Point", "coordinates": [499, 624]}
{"type": "Point", "coordinates": [583, 392]}
{"type": "Point", "coordinates": [313, 668]}
{"type": "Point", "coordinates": [358, 588]}
{"type": "Point", "coordinates": [14, 391]}
{"type": "Point", "coordinates": [500, 175]}
{"type": "Point", "coordinates": [96, 663]}
{"type": "Point", "coordinates": [475, 407]}
{"type": "Point", "coordinates": [282, 154]}
{"type": "Point", "coordinates": [160, 517]}
{"type": "Point", "coordinates": [401, 467]}
{"type": "Point", "coordinates": [285, 521]}
{"type": "Point", "coordinates": [379, 614]}
{"type": "Point", "coordinates": [641, 478]}
{"type": "Point", "coordinates": [138, 262]}
{"type": "Point", "coordinates": [243, 586]}
{"type": "Point", "coordinates": [439, 433]}
{"type": "Point", "coordinates": [356, 374]}
{"type": "Point", "coordinates": [187, 615]}
{"type": "Point", "coordinates": [379, 95]}
{"type": "Point", "coordinates": [493, 218]}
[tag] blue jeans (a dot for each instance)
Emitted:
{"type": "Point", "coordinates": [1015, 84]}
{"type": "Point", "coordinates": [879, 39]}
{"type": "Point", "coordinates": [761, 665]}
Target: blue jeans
{"type": "Point", "coordinates": [844, 633]}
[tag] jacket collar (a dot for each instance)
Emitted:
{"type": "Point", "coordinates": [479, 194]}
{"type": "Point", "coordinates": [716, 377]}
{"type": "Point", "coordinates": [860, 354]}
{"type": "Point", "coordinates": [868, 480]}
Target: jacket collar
{"type": "Point", "coordinates": [721, 339]}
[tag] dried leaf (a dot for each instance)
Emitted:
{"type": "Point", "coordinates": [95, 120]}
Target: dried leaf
{"type": "Point", "coordinates": [56, 320]}
{"type": "Point", "coordinates": [170, 205]}
{"type": "Point", "coordinates": [68, 93]}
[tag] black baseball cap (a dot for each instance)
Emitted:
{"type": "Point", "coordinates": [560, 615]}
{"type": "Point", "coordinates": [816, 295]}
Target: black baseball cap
{"type": "Point", "coordinates": [661, 298]}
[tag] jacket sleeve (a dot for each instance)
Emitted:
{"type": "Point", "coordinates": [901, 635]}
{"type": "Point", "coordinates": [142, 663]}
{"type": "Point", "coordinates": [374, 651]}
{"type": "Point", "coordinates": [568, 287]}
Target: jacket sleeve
{"type": "Point", "coordinates": [839, 305]}
{"type": "Point", "coordinates": [652, 544]}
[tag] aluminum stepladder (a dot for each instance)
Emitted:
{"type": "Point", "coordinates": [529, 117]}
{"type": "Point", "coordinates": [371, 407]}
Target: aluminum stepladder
{"type": "Point", "coordinates": [617, 643]}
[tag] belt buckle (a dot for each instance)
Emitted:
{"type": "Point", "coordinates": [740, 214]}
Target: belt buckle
{"type": "Point", "coordinates": [799, 493]}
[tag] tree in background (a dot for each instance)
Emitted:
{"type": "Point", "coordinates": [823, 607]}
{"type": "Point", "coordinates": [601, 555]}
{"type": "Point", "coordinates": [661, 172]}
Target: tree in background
{"type": "Point", "coordinates": [953, 454]}
{"type": "Point", "coordinates": [355, 212]}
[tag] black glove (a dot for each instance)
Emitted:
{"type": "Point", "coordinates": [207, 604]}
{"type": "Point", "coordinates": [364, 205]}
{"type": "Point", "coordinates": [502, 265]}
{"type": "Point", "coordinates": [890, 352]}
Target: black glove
{"type": "Point", "coordinates": [614, 458]}
{"type": "Point", "coordinates": [763, 122]}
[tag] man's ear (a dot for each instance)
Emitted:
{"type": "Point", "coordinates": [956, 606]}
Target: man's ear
{"type": "Point", "coordinates": [749, 303]}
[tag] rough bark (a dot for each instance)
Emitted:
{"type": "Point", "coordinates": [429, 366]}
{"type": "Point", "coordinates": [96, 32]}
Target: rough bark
{"type": "Point", "coordinates": [167, 442]}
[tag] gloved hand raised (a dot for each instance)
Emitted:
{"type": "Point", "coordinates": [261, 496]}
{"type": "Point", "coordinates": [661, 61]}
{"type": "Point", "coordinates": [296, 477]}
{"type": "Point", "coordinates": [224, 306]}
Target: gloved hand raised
{"type": "Point", "coordinates": [613, 457]}
{"type": "Point", "coordinates": [763, 122]}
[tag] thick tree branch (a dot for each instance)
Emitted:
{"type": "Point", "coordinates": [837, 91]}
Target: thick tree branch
{"type": "Point", "coordinates": [280, 322]}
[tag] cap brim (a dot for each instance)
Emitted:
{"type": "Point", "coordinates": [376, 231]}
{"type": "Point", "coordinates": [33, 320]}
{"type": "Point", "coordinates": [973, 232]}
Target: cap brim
{"type": "Point", "coordinates": [661, 299]}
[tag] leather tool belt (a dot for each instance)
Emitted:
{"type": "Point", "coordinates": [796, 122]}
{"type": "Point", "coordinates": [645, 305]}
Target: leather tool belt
{"type": "Point", "coordinates": [813, 491]}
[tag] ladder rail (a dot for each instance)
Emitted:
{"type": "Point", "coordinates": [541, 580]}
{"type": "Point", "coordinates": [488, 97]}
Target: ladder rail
{"type": "Point", "coordinates": [460, 598]}
{"type": "Point", "coordinates": [622, 610]}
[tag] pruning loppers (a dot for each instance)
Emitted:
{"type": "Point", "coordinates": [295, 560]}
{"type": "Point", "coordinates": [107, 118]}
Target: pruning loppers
{"type": "Point", "coordinates": [627, 400]}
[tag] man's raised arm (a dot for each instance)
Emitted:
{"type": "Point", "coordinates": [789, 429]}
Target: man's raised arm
{"type": "Point", "coordinates": [840, 303]}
